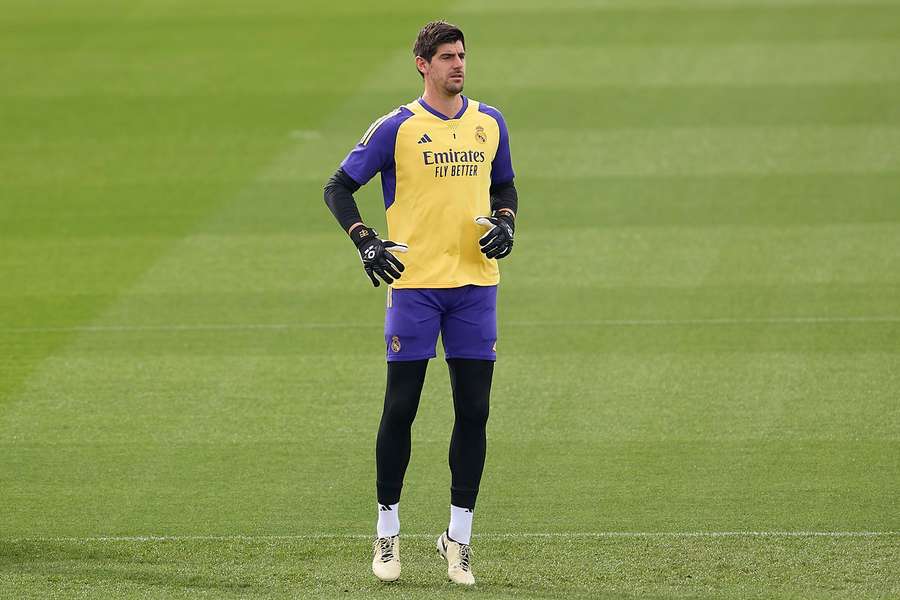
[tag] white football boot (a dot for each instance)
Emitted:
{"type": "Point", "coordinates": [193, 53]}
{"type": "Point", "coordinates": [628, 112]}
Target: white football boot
{"type": "Point", "coordinates": [458, 557]}
{"type": "Point", "coordinates": [386, 562]}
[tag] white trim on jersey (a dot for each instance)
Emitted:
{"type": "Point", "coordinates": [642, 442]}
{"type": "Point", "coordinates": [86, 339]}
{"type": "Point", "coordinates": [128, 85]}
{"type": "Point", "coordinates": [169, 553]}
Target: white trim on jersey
{"type": "Point", "coordinates": [374, 126]}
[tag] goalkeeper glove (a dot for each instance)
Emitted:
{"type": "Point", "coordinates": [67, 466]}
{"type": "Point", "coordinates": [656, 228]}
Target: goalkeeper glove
{"type": "Point", "coordinates": [376, 256]}
{"type": "Point", "coordinates": [498, 241]}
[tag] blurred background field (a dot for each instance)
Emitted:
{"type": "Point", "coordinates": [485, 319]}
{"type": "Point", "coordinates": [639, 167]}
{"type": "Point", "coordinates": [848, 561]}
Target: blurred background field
{"type": "Point", "coordinates": [700, 324]}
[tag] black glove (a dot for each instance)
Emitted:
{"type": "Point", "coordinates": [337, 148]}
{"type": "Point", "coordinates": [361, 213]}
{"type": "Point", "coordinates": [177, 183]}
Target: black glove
{"type": "Point", "coordinates": [375, 256]}
{"type": "Point", "coordinates": [498, 241]}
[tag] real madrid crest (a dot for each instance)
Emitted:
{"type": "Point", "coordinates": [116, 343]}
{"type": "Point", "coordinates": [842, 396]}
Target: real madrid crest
{"type": "Point", "coordinates": [480, 135]}
{"type": "Point", "coordinates": [395, 344]}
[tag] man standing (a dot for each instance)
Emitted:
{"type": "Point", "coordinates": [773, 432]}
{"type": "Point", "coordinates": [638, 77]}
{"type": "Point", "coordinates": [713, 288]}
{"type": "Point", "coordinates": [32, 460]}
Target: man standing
{"type": "Point", "coordinates": [445, 166]}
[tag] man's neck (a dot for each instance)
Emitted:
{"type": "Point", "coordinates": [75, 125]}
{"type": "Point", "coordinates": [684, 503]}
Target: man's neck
{"type": "Point", "coordinates": [449, 106]}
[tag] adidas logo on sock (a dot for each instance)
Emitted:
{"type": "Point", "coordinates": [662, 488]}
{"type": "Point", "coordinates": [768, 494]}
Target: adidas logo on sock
{"type": "Point", "coordinates": [383, 507]}
{"type": "Point", "coordinates": [424, 139]}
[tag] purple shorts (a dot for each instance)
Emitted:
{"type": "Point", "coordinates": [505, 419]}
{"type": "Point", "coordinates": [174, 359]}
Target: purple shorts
{"type": "Point", "coordinates": [466, 318]}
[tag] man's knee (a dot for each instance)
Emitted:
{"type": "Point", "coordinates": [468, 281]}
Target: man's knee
{"type": "Point", "coordinates": [404, 387]}
{"type": "Point", "coordinates": [471, 381]}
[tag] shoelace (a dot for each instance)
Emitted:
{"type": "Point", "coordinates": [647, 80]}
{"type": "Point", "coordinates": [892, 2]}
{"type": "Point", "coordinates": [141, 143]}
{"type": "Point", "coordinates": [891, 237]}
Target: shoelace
{"type": "Point", "coordinates": [387, 548]}
{"type": "Point", "coordinates": [464, 554]}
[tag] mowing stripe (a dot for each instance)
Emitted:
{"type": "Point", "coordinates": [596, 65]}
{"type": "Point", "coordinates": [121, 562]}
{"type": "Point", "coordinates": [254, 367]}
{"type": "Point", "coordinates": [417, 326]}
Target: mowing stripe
{"type": "Point", "coordinates": [487, 536]}
{"type": "Point", "coordinates": [562, 6]}
{"type": "Point", "coordinates": [589, 323]}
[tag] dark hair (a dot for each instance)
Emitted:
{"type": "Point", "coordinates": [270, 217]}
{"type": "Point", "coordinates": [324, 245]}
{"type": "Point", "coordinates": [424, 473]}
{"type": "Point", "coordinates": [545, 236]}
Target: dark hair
{"type": "Point", "coordinates": [433, 35]}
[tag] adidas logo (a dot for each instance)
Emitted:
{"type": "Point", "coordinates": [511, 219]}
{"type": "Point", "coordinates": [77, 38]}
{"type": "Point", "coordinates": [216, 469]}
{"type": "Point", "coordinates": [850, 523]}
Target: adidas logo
{"type": "Point", "coordinates": [424, 139]}
{"type": "Point", "coordinates": [384, 508]}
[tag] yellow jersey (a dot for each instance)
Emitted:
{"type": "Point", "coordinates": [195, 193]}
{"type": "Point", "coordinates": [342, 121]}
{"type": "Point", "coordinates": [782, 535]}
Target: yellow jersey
{"type": "Point", "coordinates": [436, 174]}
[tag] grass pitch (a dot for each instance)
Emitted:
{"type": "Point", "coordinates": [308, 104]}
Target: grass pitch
{"type": "Point", "coordinates": [700, 335]}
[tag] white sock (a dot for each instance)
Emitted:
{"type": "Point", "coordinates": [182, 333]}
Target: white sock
{"type": "Point", "coordinates": [460, 529]}
{"type": "Point", "coordinates": [388, 520]}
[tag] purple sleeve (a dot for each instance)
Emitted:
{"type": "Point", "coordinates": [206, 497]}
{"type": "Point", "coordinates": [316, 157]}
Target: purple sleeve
{"type": "Point", "coordinates": [375, 151]}
{"type": "Point", "coordinates": [501, 167]}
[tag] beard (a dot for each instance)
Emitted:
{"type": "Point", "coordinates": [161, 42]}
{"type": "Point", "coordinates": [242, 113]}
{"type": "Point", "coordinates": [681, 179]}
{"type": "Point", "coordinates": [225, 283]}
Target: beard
{"type": "Point", "coordinates": [453, 87]}
{"type": "Point", "coordinates": [449, 86]}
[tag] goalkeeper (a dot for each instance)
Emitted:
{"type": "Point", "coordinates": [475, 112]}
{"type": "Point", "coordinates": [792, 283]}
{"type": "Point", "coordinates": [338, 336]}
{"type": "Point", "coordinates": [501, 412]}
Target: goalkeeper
{"type": "Point", "coordinates": [450, 202]}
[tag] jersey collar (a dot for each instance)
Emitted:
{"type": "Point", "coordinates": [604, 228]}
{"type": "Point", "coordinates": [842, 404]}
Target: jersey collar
{"type": "Point", "coordinates": [442, 116]}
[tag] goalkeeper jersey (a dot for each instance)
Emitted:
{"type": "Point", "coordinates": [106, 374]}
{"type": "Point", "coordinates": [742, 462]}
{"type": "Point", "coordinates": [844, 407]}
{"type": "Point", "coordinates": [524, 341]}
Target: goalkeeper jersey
{"type": "Point", "coordinates": [436, 174]}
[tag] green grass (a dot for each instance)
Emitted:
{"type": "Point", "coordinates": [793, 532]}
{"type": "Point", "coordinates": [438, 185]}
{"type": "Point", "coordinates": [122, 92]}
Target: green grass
{"type": "Point", "coordinates": [700, 334]}
{"type": "Point", "coordinates": [579, 568]}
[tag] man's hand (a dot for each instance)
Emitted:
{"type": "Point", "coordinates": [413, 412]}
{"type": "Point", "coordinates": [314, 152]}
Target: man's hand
{"type": "Point", "coordinates": [498, 241]}
{"type": "Point", "coordinates": [376, 255]}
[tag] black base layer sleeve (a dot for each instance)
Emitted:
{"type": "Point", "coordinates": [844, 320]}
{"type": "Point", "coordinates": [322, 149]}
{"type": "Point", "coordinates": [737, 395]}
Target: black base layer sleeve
{"type": "Point", "coordinates": [339, 197]}
{"type": "Point", "coordinates": [504, 195]}
{"type": "Point", "coordinates": [471, 382]}
{"type": "Point", "coordinates": [392, 449]}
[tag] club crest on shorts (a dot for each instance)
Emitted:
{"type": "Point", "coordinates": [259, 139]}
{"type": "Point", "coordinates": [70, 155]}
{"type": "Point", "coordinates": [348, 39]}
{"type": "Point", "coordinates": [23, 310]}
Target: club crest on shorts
{"type": "Point", "coordinates": [480, 135]}
{"type": "Point", "coordinates": [395, 344]}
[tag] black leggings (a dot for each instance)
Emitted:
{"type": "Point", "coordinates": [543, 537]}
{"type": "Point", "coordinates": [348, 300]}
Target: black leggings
{"type": "Point", "coordinates": [471, 383]}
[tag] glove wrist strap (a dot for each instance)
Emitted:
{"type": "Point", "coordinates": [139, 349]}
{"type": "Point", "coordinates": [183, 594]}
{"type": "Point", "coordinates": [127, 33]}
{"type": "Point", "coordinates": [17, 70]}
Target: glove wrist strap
{"type": "Point", "coordinates": [507, 215]}
{"type": "Point", "coordinates": [361, 234]}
